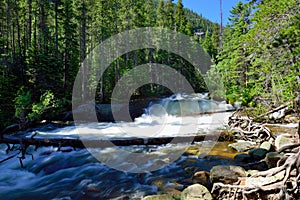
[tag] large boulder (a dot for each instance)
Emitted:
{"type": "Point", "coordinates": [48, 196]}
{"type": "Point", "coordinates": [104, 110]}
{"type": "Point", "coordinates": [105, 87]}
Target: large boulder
{"type": "Point", "coordinates": [226, 174]}
{"type": "Point", "coordinates": [241, 146]}
{"type": "Point", "coordinates": [196, 192]}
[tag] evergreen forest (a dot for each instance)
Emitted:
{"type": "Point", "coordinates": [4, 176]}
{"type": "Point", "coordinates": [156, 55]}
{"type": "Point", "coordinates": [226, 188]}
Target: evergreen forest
{"type": "Point", "coordinates": [43, 42]}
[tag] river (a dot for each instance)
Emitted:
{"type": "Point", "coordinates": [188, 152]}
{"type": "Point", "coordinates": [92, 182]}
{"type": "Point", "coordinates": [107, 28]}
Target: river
{"type": "Point", "coordinates": [108, 173]}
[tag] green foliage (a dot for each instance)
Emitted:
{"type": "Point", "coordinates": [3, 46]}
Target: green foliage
{"type": "Point", "coordinates": [25, 109]}
{"type": "Point", "coordinates": [260, 53]}
{"type": "Point", "coordinates": [47, 102]}
{"type": "Point", "coordinates": [22, 103]}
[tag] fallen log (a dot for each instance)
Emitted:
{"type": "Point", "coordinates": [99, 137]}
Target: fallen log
{"type": "Point", "coordinates": [25, 142]}
{"type": "Point", "coordinates": [103, 143]}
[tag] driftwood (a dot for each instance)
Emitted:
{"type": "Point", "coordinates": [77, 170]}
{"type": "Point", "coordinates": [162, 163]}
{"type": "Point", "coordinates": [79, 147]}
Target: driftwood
{"type": "Point", "coordinates": [246, 129]}
{"type": "Point", "coordinates": [274, 110]}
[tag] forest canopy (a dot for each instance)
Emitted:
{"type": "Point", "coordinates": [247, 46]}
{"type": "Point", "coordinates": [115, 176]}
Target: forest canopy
{"type": "Point", "coordinates": [43, 43]}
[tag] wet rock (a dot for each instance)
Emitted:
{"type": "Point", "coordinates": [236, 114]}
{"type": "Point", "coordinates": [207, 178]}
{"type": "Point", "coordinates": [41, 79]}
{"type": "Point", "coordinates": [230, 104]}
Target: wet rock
{"type": "Point", "coordinates": [272, 159]}
{"type": "Point", "coordinates": [258, 153]}
{"type": "Point", "coordinates": [159, 197]}
{"type": "Point", "coordinates": [266, 145]}
{"type": "Point", "coordinates": [245, 158]}
{"type": "Point", "coordinates": [159, 183]}
{"type": "Point", "coordinates": [202, 177]}
{"type": "Point", "coordinates": [281, 141]}
{"type": "Point", "coordinates": [241, 146]}
{"type": "Point", "coordinates": [226, 174]}
{"type": "Point", "coordinates": [196, 192]}
{"type": "Point", "coordinates": [189, 170]}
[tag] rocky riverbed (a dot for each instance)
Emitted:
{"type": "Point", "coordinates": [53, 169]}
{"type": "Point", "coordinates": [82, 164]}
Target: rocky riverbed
{"type": "Point", "coordinates": [248, 158]}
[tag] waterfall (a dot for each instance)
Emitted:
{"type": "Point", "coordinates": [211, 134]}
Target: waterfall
{"type": "Point", "coordinates": [184, 105]}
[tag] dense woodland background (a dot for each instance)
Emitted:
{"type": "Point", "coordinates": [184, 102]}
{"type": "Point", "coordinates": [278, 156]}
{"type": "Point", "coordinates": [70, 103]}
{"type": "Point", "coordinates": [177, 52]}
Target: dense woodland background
{"type": "Point", "coordinates": [43, 42]}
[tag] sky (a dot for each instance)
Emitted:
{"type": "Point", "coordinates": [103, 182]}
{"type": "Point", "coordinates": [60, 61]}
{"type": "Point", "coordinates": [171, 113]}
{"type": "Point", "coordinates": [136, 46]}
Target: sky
{"type": "Point", "coordinates": [210, 9]}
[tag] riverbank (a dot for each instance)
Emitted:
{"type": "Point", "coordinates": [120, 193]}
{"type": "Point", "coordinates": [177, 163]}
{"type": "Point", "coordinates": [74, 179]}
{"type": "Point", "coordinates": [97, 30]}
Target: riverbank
{"type": "Point", "coordinates": [262, 169]}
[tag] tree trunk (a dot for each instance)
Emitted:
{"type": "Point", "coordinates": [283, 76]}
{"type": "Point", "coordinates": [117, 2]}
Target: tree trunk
{"type": "Point", "coordinates": [56, 29]}
{"type": "Point", "coordinates": [83, 50]}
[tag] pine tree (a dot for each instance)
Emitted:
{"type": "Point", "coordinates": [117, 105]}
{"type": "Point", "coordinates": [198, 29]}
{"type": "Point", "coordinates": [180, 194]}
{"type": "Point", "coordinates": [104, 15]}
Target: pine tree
{"type": "Point", "coordinates": [232, 61]}
{"type": "Point", "coordinates": [180, 19]}
{"type": "Point", "coordinates": [161, 14]}
{"type": "Point", "coordinates": [169, 12]}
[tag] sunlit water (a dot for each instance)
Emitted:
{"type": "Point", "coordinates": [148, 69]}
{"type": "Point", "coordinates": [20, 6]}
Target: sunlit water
{"type": "Point", "coordinates": [76, 174]}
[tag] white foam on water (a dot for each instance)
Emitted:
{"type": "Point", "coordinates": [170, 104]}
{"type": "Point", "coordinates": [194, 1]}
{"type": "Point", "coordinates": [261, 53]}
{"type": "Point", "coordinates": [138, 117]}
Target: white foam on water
{"type": "Point", "coordinates": [145, 126]}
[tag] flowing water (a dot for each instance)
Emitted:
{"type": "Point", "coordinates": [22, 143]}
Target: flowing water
{"type": "Point", "coordinates": [70, 173]}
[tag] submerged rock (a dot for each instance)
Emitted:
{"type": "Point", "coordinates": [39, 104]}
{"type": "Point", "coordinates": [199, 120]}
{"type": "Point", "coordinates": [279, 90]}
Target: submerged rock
{"type": "Point", "coordinates": [241, 146]}
{"type": "Point", "coordinates": [226, 174]}
{"type": "Point", "coordinates": [245, 158]}
{"type": "Point", "coordinates": [196, 192]}
{"type": "Point", "coordinates": [258, 153]}
{"type": "Point", "coordinates": [159, 183]}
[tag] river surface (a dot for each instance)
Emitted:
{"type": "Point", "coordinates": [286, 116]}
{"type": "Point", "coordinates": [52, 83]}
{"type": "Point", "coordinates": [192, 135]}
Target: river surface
{"type": "Point", "coordinates": [68, 173]}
